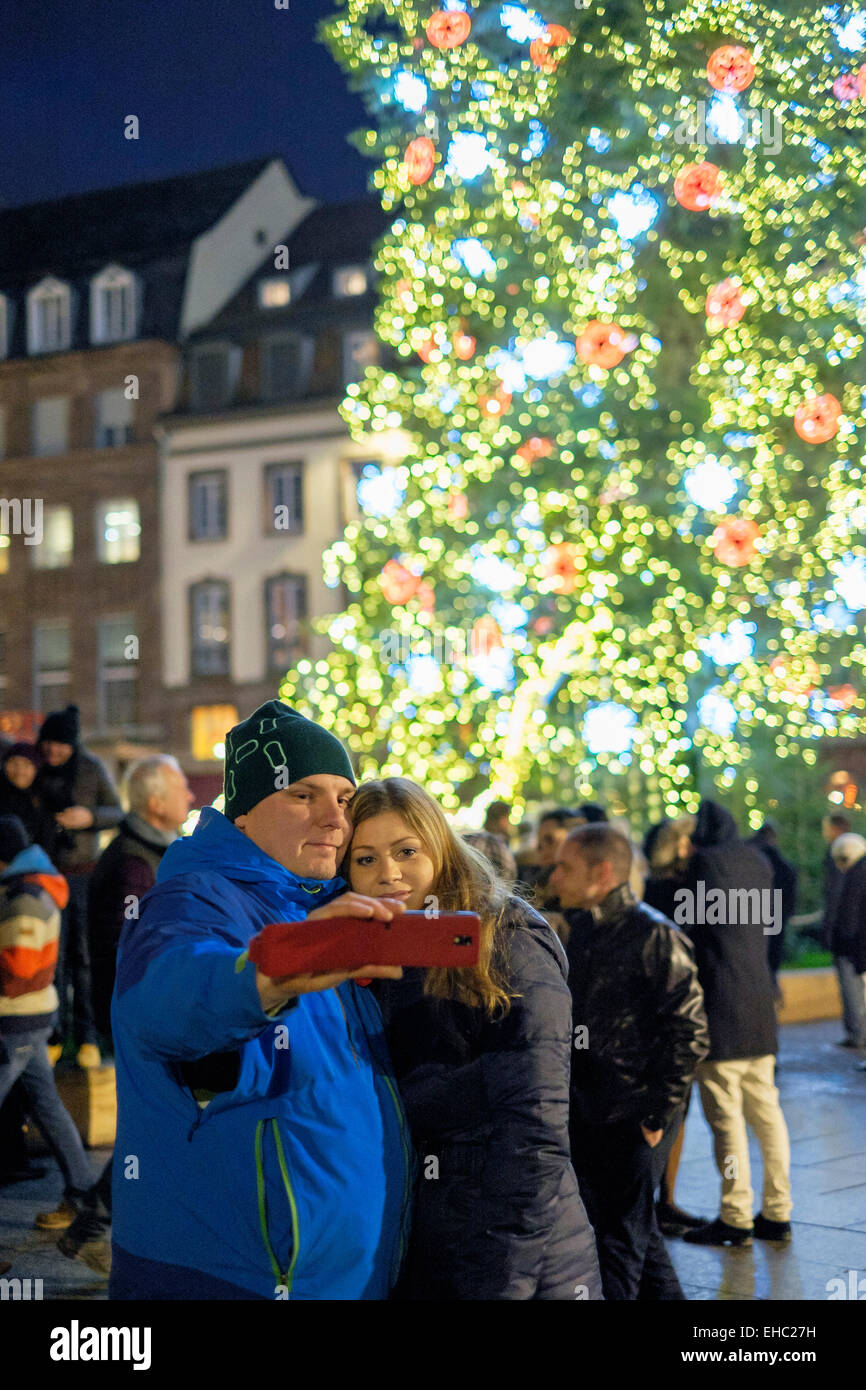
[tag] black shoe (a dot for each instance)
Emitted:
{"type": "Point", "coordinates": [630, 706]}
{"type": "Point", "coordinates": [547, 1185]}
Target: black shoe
{"type": "Point", "coordinates": [673, 1221]}
{"type": "Point", "coordinates": [772, 1230]}
{"type": "Point", "coordinates": [718, 1232]}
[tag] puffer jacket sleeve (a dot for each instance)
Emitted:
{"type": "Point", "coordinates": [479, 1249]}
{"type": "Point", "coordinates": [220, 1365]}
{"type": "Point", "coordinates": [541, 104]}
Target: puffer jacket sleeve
{"type": "Point", "coordinates": [101, 796]}
{"type": "Point", "coordinates": [683, 1034]}
{"type": "Point", "coordinates": [184, 988]}
{"type": "Point", "coordinates": [525, 1078]}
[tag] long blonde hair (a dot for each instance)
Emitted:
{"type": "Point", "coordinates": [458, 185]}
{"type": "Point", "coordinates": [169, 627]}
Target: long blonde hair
{"type": "Point", "coordinates": [464, 882]}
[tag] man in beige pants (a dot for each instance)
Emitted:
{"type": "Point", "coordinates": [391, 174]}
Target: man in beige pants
{"type": "Point", "coordinates": [727, 908]}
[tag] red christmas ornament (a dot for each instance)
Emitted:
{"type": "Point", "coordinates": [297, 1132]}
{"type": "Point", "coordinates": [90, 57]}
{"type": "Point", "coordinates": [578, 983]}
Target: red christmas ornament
{"type": "Point", "coordinates": [404, 286]}
{"type": "Point", "coordinates": [542, 625]}
{"type": "Point", "coordinates": [602, 344]}
{"type": "Point", "coordinates": [426, 597]}
{"type": "Point", "coordinates": [458, 505]}
{"type": "Point", "coordinates": [730, 68]}
{"type": "Point", "coordinates": [817, 419]}
{"type": "Point", "coordinates": [512, 289]}
{"type": "Point", "coordinates": [538, 447]}
{"type": "Point", "coordinates": [800, 677]}
{"type": "Point", "coordinates": [495, 405]}
{"type": "Point", "coordinates": [398, 583]}
{"type": "Point", "coordinates": [560, 567]}
{"type": "Point", "coordinates": [419, 159]}
{"type": "Point", "coordinates": [541, 49]}
{"type": "Point", "coordinates": [847, 86]}
{"type": "Point", "coordinates": [844, 695]}
{"type": "Point", "coordinates": [463, 343]}
{"type": "Point", "coordinates": [698, 186]}
{"type": "Point", "coordinates": [485, 636]}
{"type": "Point", "coordinates": [733, 541]}
{"type": "Point", "coordinates": [448, 28]}
{"type": "Point", "coordinates": [861, 81]}
{"type": "Point", "coordinates": [427, 348]}
{"type": "Point", "coordinates": [724, 302]}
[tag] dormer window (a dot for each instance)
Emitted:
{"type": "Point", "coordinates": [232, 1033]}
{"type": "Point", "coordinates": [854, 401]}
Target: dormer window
{"type": "Point", "coordinates": [351, 280]}
{"type": "Point", "coordinates": [49, 317]}
{"type": "Point", "coordinates": [275, 293]}
{"type": "Point", "coordinates": [113, 306]}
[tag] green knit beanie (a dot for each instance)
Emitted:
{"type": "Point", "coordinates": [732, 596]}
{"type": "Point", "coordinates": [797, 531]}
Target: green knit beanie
{"type": "Point", "coordinates": [273, 748]}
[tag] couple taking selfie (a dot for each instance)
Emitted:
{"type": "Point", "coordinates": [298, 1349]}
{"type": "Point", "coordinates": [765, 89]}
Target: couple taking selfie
{"type": "Point", "coordinates": [314, 1137]}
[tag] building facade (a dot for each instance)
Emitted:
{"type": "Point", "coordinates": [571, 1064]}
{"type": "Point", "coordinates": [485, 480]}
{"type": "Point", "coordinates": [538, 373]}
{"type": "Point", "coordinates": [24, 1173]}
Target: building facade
{"type": "Point", "coordinates": [97, 293]}
{"type": "Point", "coordinates": [259, 477]}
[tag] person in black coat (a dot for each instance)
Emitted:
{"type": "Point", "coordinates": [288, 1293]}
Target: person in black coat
{"type": "Point", "coordinates": [849, 855]}
{"type": "Point", "coordinates": [639, 1033]}
{"type": "Point", "coordinates": [785, 880]}
{"type": "Point", "coordinates": [728, 908]}
{"type": "Point", "coordinates": [481, 1056]}
{"type": "Point", "coordinates": [19, 797]}
{"type": "Point", "coordinates": [853, 1010]}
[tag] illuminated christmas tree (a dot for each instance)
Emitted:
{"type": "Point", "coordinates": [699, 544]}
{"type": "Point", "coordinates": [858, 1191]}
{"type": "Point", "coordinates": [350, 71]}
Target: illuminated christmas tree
{"type": "Point", "coordinates": [625, 285]}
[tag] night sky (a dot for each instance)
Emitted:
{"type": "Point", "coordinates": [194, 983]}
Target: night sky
{"type": "Point", "coordinates": [212, 82]}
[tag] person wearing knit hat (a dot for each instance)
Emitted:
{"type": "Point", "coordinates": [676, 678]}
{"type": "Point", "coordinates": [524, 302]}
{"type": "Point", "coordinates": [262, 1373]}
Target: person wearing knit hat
{"type": "Point", "coordinates": [75, 788]}
{"type": "Point", "coordinates": [268, 1102]}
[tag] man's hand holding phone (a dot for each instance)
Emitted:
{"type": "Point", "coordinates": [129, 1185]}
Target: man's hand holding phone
{"type": "Point", "coordinates": [274, 993]}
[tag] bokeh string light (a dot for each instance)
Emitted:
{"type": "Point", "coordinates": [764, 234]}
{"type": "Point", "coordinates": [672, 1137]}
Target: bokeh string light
{"type": "Point", "coordinates": [625, 284]}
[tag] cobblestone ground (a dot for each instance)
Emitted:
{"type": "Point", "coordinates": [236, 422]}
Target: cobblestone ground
{"type": "Point", "coordinates": [824, 1100]}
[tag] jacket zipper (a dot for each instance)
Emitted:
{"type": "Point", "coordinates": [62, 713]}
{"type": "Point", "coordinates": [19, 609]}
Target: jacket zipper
{"type": "Point", "coordinates": [286, 1279]}
{"type": "Point", "coordinates": [397, 1263]}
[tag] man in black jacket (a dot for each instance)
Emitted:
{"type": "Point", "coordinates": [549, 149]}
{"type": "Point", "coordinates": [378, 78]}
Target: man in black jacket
{"type": "Point", "coordinates": [785, 880]}
{"type": "Point", "coordinates": [639, 1033]}
{"type": "Point", "coordinates": [849, 856]}
{"type": "Point", "coordinates": [76, 789]}
{"type": "Point", "coordinates": [729, 906]}
{"type": "Point", "coordinates": [853, 1011]}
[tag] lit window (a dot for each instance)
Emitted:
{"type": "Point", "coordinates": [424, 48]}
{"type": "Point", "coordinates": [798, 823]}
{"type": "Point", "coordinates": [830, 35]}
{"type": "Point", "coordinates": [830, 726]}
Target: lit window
{"type": "Point", "coordinates": [49, 317]}
{"type": "Point", "coordinates": [274, 294]}
{"type": "Point", "coordinates": [210, 628]}
{"type": "Point", "coordinates": [118, 672]}
{"type": "Point", "coordinates": [350, 280]}
{"type": "Point", "coordinates": [113, 306]}
{"type": "Point", "coordinates": [51, 425]}
{"type": "Point", "coordinates": [286, 610]}
{"type": "Point", "coordinates": [210, 724]}
{"type": "Point", "coordinates": [118, 532]}
{"type": "Point", "coordinates": [55, 549]}
{"type": "Point", "coordinates": [113, 418]}
{"type": "Point", "coordinates": [4, 554]}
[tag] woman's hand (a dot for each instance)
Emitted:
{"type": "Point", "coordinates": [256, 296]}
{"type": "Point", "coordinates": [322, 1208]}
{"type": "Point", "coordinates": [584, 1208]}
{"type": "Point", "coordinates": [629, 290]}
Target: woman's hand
{"type": "Point", "coordinates": [274, 992]}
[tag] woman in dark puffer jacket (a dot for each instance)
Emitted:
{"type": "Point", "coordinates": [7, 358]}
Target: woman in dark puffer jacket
{"type": "Point", "coordinates": [482, 1057]}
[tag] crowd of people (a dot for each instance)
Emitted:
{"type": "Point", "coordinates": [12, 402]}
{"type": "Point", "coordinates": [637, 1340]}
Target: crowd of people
{"type": "Point", "coordinates": [507, 1131]}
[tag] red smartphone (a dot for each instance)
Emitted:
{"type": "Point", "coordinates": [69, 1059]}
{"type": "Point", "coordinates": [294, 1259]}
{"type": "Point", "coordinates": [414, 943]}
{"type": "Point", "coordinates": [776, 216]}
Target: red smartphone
{"type": "Point", "coordinates": [347, 943]}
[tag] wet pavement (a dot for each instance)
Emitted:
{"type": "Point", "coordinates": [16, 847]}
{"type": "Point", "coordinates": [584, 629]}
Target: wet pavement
{"type": "Point", "coordinates": [824, 1100]}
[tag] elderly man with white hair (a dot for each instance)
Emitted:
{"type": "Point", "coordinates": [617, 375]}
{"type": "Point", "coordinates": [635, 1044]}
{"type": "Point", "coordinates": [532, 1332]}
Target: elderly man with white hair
{"type": "Point", "coordinates": [159, 802]}
{"type": "Point", "coordinates": [849, 932]}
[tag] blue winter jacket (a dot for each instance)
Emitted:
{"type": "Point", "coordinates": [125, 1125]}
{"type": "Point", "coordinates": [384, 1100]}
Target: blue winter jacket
{"type": "Point", "coordinates": [295, 1183]}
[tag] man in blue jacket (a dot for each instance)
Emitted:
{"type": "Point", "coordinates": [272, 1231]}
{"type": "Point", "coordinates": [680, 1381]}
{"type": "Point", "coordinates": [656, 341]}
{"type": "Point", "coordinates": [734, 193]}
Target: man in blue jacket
{"type": "Point", "coordinates": [261, 1150]}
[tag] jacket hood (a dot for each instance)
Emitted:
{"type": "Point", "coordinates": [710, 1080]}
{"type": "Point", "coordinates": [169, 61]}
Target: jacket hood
{"type": "Point", "coordinates": [714, 825]}
{"type": "Point", "coordinates": [217, 846]}
{"type": "Point", "coordinates": [33, 864]}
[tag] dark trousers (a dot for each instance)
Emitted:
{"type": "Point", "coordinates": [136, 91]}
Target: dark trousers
{"type": "Point", "coordinates": [73, 967]}
{"type": "Point", "coordinates": [618, 1174]}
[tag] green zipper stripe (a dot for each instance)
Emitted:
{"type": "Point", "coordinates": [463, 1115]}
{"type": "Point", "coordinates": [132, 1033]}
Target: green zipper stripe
{"type": "Point", "coordinates": [263, 1211]}
{"type": "Point", "coordinates": [290, 1272]}
{"type": "Point", "coordinates": [406, 1169]}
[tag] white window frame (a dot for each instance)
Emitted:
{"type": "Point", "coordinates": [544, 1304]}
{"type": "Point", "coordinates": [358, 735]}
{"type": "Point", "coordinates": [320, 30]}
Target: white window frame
{"type": "Point", "coordinates": [103, 436]}
{"type": "Point", "coordinates": [38, 341]}
{"type": "Point", "coordinates": [218, 479]}
{"type": "Point", "coordinates": [42, 679]}
{"type": "Point", "coordinates": [220, 588]}
{"type": "Point", "coordinates": [35, 442]}
{"type": "Point", "coordinates": [102, 329]}
{"type": "Point", "coordinates": [107, 672]}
